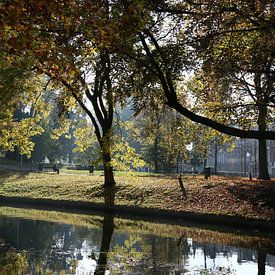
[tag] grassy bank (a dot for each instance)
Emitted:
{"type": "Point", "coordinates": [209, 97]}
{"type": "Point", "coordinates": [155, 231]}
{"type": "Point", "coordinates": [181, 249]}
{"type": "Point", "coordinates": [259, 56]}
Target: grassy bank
{"type": "Point", "coordinates": [218, 195]}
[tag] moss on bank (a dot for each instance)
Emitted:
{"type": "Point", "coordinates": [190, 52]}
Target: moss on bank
{"type": "Point", "coordinates": [219, 196]}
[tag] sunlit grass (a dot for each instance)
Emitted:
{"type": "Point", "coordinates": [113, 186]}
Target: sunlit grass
{"type": "Point", "coordinates": [79, 187]}
{"type": "Point", "coordinates": [116, 173]}
{"type": "Point", "coordinates": [218, 195]}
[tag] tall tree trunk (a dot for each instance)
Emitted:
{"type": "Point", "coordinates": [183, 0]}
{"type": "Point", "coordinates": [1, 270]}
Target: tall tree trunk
{"type": "Point", "coordinates": [156, 157]}
{"type": "Point", "coordinates": [157, 141]}
{"type": "Point", "coordinates": [263, 165]}
{"type": "Point", "coordinates": [108, 176]}
{"type": "Point", "coordinates": [109, 179]}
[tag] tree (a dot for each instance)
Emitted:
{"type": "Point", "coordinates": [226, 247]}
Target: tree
{"type": "Point", "coordinates": [150, 137]}
{"type": "Point", "coordinates": [237, 70]}
{"type": "Point", "coordinates": [124, 157]}
{"type": "Point", "coordinates": [216, 29]}
{"type": "Point", "coordinates": [77, 46]}
{"type": "Point", "coordinates": [13, 262]}
{"type": "Point", "coordinates": [21, 107]}
{"type": "Point", "coordinates": [162, 137]}
{"type": "Point", "coordinates": [157, 39]}
{"type": "Point", "coordinates": [80, 46]}
{"type": "Point", "coordinates": [86, 146]}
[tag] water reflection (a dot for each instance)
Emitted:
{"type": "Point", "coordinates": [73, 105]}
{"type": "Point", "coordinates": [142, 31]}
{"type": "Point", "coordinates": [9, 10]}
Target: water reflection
{"type": "Point", "coordinates": [82, 244]}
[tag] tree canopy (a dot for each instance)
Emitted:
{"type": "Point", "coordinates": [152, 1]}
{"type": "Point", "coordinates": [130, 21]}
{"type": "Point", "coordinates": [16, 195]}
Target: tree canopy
{"type": "Point", "coordinates": [97, 53]}
{"type": "Point", "coordinates": [200, 27]}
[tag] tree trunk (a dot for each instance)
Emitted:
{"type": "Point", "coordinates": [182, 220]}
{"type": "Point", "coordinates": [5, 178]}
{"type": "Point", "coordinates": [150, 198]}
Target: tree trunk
{"type": "Point", "coordinates": [156, 156]}
{"type": "Point", "coordinates": [263, 165]}
{"type": "Point", "coordinates": [216, 158]}
{"type": "Point", "coordinates": [109, 179]}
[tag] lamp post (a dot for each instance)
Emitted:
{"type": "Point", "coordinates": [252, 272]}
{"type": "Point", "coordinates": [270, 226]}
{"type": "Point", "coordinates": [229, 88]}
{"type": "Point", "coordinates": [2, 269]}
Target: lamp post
{"type": "Point", "coordinates": [247, 157]}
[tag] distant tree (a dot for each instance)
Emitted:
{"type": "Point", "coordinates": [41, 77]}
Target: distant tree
{"type": "Point", "coordinates": [86, 148]}
{"type": "Point", "coordinates": [56, 141]}
{"type": "Point", "coordinates": [162, 135]}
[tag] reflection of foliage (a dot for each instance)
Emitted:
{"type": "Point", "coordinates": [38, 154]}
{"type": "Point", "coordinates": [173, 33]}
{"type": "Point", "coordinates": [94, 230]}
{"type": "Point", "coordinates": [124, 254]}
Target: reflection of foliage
{"type": "Point", "coordinates": [142, 227]}
{"type": "Point", "coordinates": [147, 244]}
{"type": "Point", "coordinates": [52, 216]}
{"type": "Point", "coordinates": [12, 262]}
{"type": "Point", "coordinates": [126, 256]}
{"type": "Point", "coordinates": [219, 270]}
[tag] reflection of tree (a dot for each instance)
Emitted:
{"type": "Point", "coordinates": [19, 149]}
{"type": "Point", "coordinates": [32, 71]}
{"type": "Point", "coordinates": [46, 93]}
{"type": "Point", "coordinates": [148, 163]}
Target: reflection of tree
{"type": "Point", "coordinates": [261, 262]}
{"type": "Point", "coordinates": [59, 247]}
{"type": "Point", "coordinates": [107, 231]}
{"type": "Point", "coordinates": [47, 243]}
{"type": "Point", "coordinates": [12, 262]}
{"type": "Point", "coordinates": [23, 234]}
{"type": "Point", "coordinates": [126, 256]}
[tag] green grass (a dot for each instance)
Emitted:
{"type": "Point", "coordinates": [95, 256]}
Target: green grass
{"type": "Point", "coordinates": [79, 172]}
{"type": "Point", "coordinates": [76, 187]}
{"type": "Point", "coordinates": [26, 166]}
{"type": "Point", "coordinates": [226, 196]}
{"type": "Point", "coordinates": [116, 173]}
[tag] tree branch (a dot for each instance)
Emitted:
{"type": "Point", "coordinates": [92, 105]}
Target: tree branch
{"type": "Point", "coordinates": [173, 102]}
{"type": "Point", "coordinates": [80, 102]}
{"type": "Point", "coordinates": [232, 131]}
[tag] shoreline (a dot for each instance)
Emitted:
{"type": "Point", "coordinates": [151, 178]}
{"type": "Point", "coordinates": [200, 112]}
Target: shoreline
{"type": "Point", "coordinates": [147, 214]}
{"type": "Point", "coordinates": [229, 202]}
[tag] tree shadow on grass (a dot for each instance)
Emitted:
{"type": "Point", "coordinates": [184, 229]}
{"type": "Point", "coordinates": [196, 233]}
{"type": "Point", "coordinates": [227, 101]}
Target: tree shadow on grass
{"type": "Point", "coordinates": [260, 194]}
{"type": "Point", "coordinates": [6, 175]}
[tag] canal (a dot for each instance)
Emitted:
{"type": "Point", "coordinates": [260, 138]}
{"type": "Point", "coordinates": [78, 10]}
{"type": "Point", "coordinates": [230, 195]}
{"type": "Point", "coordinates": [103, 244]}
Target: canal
{"type": "Point", "coordinates": [51, 242]}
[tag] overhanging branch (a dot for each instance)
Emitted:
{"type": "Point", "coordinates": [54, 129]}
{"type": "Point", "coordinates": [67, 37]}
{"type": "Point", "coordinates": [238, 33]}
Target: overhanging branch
{"type": "Point", "coordinates": [228, 130]}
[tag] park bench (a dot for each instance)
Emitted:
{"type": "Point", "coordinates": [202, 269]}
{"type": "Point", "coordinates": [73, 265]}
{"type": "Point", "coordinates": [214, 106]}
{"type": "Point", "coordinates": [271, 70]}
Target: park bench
{"type": "Point", "coordinates": [48, 168]}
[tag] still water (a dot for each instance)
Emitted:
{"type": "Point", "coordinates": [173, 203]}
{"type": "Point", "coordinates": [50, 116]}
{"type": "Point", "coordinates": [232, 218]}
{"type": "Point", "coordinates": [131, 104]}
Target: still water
{"type": "Point", "coordinates": [49, 242]}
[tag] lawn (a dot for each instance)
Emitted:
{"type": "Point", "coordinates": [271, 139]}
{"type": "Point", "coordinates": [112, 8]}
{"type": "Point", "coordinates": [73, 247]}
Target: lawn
{"type": "Point", "coordinates": [217, 195]}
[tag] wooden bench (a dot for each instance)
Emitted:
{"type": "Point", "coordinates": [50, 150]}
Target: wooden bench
{"type": "Point", "coordinates": [49, 168]}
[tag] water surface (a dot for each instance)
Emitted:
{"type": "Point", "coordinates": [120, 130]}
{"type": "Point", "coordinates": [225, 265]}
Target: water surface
{"type": "Point", "coordinates": [49, 242]}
